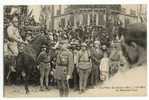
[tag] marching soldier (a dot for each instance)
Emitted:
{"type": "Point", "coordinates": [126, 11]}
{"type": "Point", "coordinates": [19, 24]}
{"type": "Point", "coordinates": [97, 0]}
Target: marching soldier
{"type": "Point", "coordinates": [43, 61]}
{"type": "Point", "coordinates": [84, 67]}
{"type": "Point", "coordinates": [64, 68]}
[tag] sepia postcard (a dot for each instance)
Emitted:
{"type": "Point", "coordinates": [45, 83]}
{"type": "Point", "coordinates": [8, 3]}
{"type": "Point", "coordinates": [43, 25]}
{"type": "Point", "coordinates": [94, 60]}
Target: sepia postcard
{"type": "Point", "coordinates": [75, 50]}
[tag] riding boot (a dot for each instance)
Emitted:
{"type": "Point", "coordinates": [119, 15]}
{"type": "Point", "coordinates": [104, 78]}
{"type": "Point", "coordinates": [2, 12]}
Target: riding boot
{"type": "Point", "coordinates": [66, 92]}
{"type": "Point", "coordinates": [41, 88]}
{"type": "Point", "coordinates": [47, 87]}
{"type": "Point", "coordinates": [61, 92]}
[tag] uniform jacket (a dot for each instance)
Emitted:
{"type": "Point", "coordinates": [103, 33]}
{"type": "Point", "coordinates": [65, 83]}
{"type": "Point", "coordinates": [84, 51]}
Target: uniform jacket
{"type": "Point", "coordinates": [84, 59]}
{"type": "Point", "coordinates": [43, 58]}
{"type": "Point", "coordinates": [14, 37]}
{"type": "Point", "coordinates": [64, 64]}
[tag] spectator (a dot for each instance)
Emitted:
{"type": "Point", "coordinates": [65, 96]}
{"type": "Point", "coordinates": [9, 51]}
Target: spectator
{"type": "Point", "coordinates": [96, 55]}
{"type": "Point", "coordinates": [104, 67]}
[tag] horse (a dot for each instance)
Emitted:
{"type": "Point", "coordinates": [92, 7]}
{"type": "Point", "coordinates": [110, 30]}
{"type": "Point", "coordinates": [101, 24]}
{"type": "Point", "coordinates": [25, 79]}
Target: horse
{"type": "Point", "coordinates": [26, 61]}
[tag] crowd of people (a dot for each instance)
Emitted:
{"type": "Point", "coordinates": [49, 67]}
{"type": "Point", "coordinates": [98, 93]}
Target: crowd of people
{"type": "Point", "coordinates": [82, 57]}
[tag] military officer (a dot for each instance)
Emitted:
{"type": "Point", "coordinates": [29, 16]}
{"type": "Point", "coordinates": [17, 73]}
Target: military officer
{"type": "Point", "coordinates": [43, 61]}
{"type": "Point", "coordinates": [84, 67]}
{"type": "Point", "coordinates": [14, 38]}
{"type": "Point", "coordinates": [64, 68]}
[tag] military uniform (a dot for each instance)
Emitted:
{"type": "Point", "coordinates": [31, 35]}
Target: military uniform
{"type": "Point", "coordinates": [14, 38]}
{"type": "Point", "coordinates": [64, 67]}
{"type": "Point", "coordinates": [44, 67]}
{"type": "Point", "coordinates": [84, 68]}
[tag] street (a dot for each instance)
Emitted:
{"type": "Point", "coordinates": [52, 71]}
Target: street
{"type": "Point", "coordinates": [125, 83]}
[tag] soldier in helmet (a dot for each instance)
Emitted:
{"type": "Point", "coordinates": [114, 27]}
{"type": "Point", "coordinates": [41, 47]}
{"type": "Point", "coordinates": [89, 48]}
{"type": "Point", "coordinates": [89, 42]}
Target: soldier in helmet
{"type": "Point", "coordinates": [84, 66]}
{"type": "Point", "coordinates": [64, 68]}
{"type": "Point", "coordinates": [43, 61]}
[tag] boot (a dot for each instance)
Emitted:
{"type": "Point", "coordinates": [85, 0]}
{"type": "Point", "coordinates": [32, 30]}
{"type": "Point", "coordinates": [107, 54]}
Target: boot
{"type": "Point", "coordinates": [41, 89]}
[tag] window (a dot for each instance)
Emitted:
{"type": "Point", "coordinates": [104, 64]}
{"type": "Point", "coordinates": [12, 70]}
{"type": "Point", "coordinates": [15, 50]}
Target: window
{"type": "Point", "coordinates": [85, 17]}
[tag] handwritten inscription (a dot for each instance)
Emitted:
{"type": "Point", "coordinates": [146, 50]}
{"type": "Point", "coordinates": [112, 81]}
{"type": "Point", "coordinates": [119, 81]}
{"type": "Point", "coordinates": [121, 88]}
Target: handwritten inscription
{"type": "Point", "coordinates": [124, 88]}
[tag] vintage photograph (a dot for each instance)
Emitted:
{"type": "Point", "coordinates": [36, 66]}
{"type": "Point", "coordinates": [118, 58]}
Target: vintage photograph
{"type": "Point", "coordinates": [75, 50]}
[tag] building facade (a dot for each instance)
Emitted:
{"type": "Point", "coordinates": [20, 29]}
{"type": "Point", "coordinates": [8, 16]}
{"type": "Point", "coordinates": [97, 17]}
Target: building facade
{"type": "Point", "coordinates": [76, 15]}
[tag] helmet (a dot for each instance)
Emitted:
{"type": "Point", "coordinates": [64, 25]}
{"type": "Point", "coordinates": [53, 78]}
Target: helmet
{"type": "Point", "coordinates": [43, 46]}
{"type": "Point", "coordinates": [84, 45]}
{"type": "Point", "coordinates": [97, 42]}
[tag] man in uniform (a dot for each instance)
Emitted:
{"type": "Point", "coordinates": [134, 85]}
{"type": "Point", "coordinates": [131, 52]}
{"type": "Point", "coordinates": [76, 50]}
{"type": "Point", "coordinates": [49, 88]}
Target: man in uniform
{"type": "Point", "coordinates": [84, 67]}
{"type": "Point", "coordinates": [14, 38]}
{"type": "Point", "coordinates": [64, 68]}
{"type": "Point", "coordinates": [44, 66]}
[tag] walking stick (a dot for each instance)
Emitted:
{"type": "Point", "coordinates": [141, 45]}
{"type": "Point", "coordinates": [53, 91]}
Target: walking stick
{"type": "Point", "coordinates": [67, 83]}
